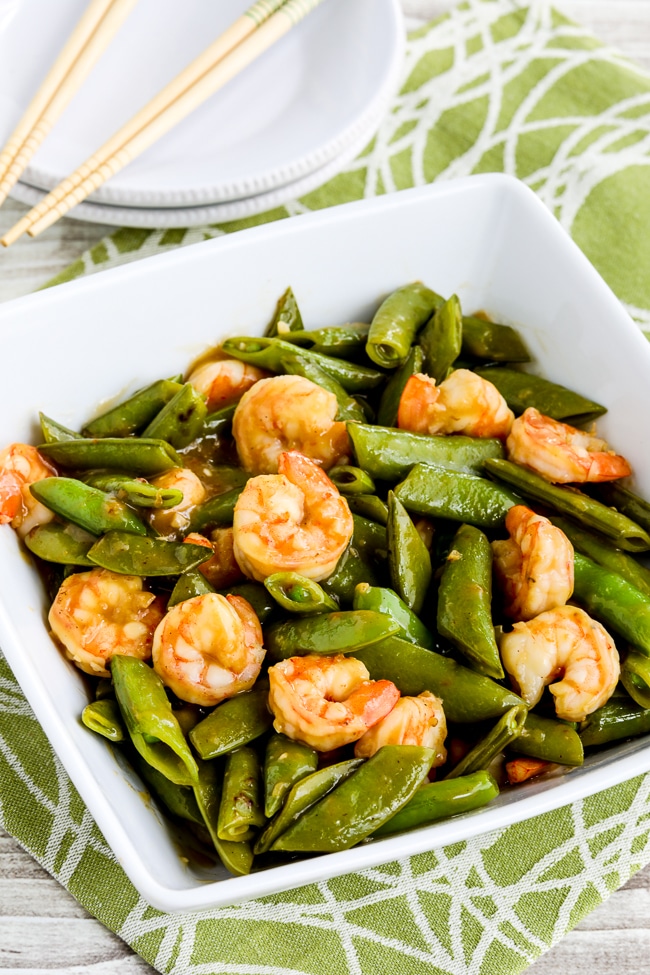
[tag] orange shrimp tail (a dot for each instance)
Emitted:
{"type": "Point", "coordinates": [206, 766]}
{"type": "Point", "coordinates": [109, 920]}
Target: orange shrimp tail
{"type": "Point", "coordinates": [374, 699]}
{"type": "Point", "coordinates": [418, 404]}
{"type": "Point", "coordinates": [10, 496]}
{"type": "Point", "coordinates": [298, 468]}
{"type": "Point", "coordinates": [608, 467]}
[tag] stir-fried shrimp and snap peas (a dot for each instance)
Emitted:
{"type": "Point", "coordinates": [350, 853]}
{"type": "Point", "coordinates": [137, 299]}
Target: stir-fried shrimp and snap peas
{"type": "Point", "coordinates": [329, 550]}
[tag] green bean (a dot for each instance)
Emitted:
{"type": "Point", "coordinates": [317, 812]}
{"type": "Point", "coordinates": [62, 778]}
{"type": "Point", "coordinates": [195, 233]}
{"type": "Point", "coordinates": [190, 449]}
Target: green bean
{"type": "Point", "coordinates": [627, 502]}
{"type": "Point", "coordinates": [298, 594]}
{"type": "Point", "coordinates": [188, 585]}
{"type": "Point", "coordinates": [179, 800]}
{"type": "Point", "coordinates": [150, 721]}
{"type": "Point", "coordinates": [369, 537]}
{"type": "Point", "coordinates": [439, 800]}
{"type": "Point", "coordinates": [256, 595]}
{"type": "Point", "coordinates": [287, 317]}
{"type": "Point", "coordinates": [389, 454]}
{"type": "Point", "coordinates": [484, 339]}
{"type": "Point", "coordinates": [386, 601]}
{"type": "Point", "coordinates": [181, 419]}
{"type": "Point", "coordinates": [408, 557]}
{"type": "Point", "coordinates": [635, 677]}
{"type": "Point", "coordinates": [233, 723]}
{"type": "Point", "coordinates": [351, 480]}
{"type": "Point", "coordinates": [623, 532]}
{"type": "Point", "coordinates": [604, 553]}
{"type": "Point", "coordinates": [136, 491]}
{"type": "Point", "coordinates": [138, 456]}
{"type": "Point", "coordinates": [104, 718]}
{"type": "Point", "coordinates": [85, 506]}
{"type": "Point", "coordinates": [218, 424]}
{"type": "Point", "coordinates": [612, 600]}
{"type": "Point", "coordinates": [507, 729]}
{"type": "Point", "coordinates": [441, 338]}
{"type": "Point", "coordinates": [240, 811]}
{"type": "Point", "coordinates": [396, 323]}
{"type": "Point", "coordinates": [134, 413]}
{"type": "Point", "coordinates": [54, 432]}
{"type": "Point", "coordinates": [521, 390]}
{"type": "Point", "coordinates": [619, 718]}
{"type": "Point", "coordinates": [353, 567]}
{"type": "Point", "coordinates": [138, 555]}
{"type": "Point", "coordinates": [456, 496]}
{"type": "Point", "coordinates": [465, 601]}
{"type": "Point", "coordinates": [342, 341]}
{"type": "Point", "coordinates": [368, 506]}
{"type": "Point", "coordinates": [389, 403]}
{"type": "Point", "coordinates": [237, 857]}
{"type": "Point", "coordinates": [285, 763]}
{"type": "Point", "coordinates": [216, 511]}
{"type": "Point", "coordinates": [550, 741]}
{"type": "Point", "coordinates": [299, 365]}
{"type": "Point", "coordinates": [64, 544]}
{"type": "Point", "coordinates": [340, 632]}
{"type": "Point", "coordinates": [361, 803]}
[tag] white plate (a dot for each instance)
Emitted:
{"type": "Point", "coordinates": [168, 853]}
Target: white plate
{"type": "Point", "coordinates": [487, 238]}
{"type": "Point", "coordinates": [292, 111]}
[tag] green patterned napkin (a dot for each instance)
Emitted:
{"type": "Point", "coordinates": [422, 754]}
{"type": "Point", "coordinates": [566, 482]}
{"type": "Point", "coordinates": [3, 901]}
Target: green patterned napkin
{"type": "Point", "coordinates": [492, 86]}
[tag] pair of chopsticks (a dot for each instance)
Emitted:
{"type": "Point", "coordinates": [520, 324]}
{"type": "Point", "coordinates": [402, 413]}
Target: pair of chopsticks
{"type": "Point", "coordinates": [249, 36]}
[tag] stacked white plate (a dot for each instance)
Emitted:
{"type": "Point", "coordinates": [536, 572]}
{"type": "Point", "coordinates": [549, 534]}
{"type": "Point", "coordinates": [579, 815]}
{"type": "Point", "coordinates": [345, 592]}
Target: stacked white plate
{"type": "Point", "coordinates": [280, 129]}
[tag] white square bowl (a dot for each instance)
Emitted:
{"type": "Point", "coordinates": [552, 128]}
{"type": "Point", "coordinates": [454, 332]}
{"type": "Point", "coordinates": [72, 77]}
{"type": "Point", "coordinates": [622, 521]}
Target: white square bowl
{"type": "Point", "coordinates": [66, 350]}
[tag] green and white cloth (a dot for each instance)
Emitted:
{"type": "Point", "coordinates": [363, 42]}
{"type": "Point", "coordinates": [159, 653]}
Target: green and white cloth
{"type": "Point", "coordinates": [493, 86]}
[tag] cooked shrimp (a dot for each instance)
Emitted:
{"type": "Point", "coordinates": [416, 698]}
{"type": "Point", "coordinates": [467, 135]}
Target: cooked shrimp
{"type": "Point", "coordinates": [534, 566]}
{"type": "Point", "coordinates": [170, 521]}
{"type": "Point", "coordinates": [99, 614]}
{"type": "Point", "coordinates": [462, 403]}
{"type": "Point", "coordinates": [20, 466]}
{"type": "Point", "coordinates": [209, 648]}
{"type": "Point", "coordinates": [293, 520]}
{"type": "Point", "coordinates": [225, 381]}
{"type": "Point", "coordinates": [413, 721]}
{"type": "Point", "coordinates": [221, 570]}
{"type": "Point", "coordinates": [563, 642]}
{"type": "Point", "coordinates": [561, 453]}
{"type": "Point", "coordinates": [288, 413]}
{"type": "Point", "coordinates": [327, 702]}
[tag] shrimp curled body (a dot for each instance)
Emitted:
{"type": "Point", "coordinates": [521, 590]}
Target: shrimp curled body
{"type": "Point", "coordinates": [20, 466]}
{"type": "Point", "coordinates": [413, 721]}
{"type": "Point", "coordinates": [563, 642]}
{"type": "Point", "coordinates": [462, 403]}
{"type": "Point", "coordinates": [534, 566]}
{"type": "Point", "coordinates": [225, 381]}
{"type": "Point", "coordinates": [561, 453]}
{"type": "Point", "coordinates": [171, 521]}
{"type": "Point", "coordinates": [294, 520]}
{"type": "Point", "coordinates": [99, 614]}
{"type": "Point", "coordinates": [327, 702]}
{"type": "Point", "coordinates": [209, 648]}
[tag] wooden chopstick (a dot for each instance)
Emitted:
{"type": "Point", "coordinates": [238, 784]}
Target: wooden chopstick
{"type": "Point", "coordinates": [84, 47]}
{"type": "Point", "coordinates": [264, 23]}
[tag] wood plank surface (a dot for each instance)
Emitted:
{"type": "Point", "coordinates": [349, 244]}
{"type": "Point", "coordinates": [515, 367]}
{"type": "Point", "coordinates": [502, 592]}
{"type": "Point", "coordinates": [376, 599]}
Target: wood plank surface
{"type": "Point", "coordinates": [42, 928]}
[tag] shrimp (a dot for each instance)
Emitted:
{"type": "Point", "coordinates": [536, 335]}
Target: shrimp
{"type": "Point", "coordinates": [225, 381]}
{"type": "Point", "coordinates": [563, 642]}
{"type": "Point", "coordinates": [294, 520]}
{"type": "Point", "coordinates": [170, 521]}
{"type": "Point", "coordinates": [221, 570]}
{"type": "Point", "coordinates": [413, 721]}
{"type": "Point", "coordinates": [561, 453]}
{"type": "Point", "coordinates": [462, 403]}
{"type": "Point", "coordinates": [288, 413]}
{"type": "Point", "coordinates": [209, 648]}
{"type": "Point", "coordinates": [99, 614]}
{"type": "Point", "coordinates": [20, 466]}
{"type": "Point", "coordinates": [534, 566]}
{"type": "Point", "coordinates": [327, 702]}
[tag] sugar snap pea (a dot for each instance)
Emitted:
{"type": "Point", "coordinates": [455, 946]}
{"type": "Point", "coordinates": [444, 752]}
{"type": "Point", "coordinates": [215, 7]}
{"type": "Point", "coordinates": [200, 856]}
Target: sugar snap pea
{"type": "Point", "coordinates": [342, 341]}
{"type": "Point", "coordinates": [612, 600]}
{"type": "Point", "coordinates": [635, 677]}
{"type": "Point", "coordinates": [299, 365]}
{"type": "Point", "coordinates": [389, 403]}
{"type": "Point", "coordinates": [133, 414]}
{"type": "Point", "coordinates": [188, 585]}
{"type": "Point", "coordinates": [88, 507]}
{"type": "Point", "coordinates": [256, 595]}
{"type": "Point", "coordinates": [619, 718]}
{"type": "Point", "coordinates": [351, 480]}
{"type": "Point", "coordinates": [233, 723]}
{"type": "Point", "coordinates": [298, 594]}
{"type": "Point", "coordinates": [342, 632]}
{"type": "Point", "coordinates": [602, 551]}
{"type": "Point", "coordinates": [369, 537]}
{"type": "Point", "coordinates": [54, 432]}
{"type": "Point", "coordinates": [386, 601]}
{"type": "Point", "coordinates": [218, 510]}
{"type": "Point", "coordinates": [439, 800]}
{"type": "Point", "coordinates": [353, 567]}
{"type": "Point", "coordinates": [507, 729]}
{"type": "Point", "coordinates": [285, 763]}
{"type": "Point", "coordinates": [64, 544]}
{"type": "Point", "coordinates": [179, 800]}
{"type": "Point", "coordinates": [454, 495]}
{"type": "Point", "coordinates": [408, 557]}
{"type": "Point", "coordinates": [484, 339]}
{"type": "Point", "coordinates": [134, 490]}
{"type": "Point", "coordinates": [104, 718]}
{"type": "Point", "coordinates": [396, 323]}
{"type": "Point", "coordinates": [441, 339]}
{"type": "Point", "coordinates": [368, 506]}
{"type": "Point", "coordinates": [180, 421]}
{"type": "Point", "coordinates": [139, 555]}
{"type": "Point", "coordinates": [549, 740]}
{"type": "Point", "coordinates": [135, 455]}
{"type": "Point", "coordinates": [240, 810]}
{"type": "Point", "coordinates": [521, 390]}
{"type": "Point", "coordinates": [286, 317]}
{"type": "Point", "coordinates": [219, 423]}
{"type": "Point", "coordinates": [627, 502]}
{"type": "Point", "coordinates": [237, 857]}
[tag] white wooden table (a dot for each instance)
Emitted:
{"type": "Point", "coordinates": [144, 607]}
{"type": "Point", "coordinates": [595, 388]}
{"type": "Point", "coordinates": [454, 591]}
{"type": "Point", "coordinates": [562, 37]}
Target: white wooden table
{"type": "Point", "coordinates": [42, 928]}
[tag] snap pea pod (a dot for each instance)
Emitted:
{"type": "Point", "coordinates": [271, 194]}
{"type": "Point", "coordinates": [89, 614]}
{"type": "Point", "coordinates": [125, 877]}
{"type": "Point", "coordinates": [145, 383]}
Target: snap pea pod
{"type": "Point", "coordinates": [64, 544]}
{"type": "Point", "coordinates": [612, 600]}
{"type": "Point", "coordinates": [181, 419]}
{"type": "Point", "coordinates": [619, 718]}
{"type": "Point", "coordinates": [188, 585]}
{"type": "Point", "coordinates": [467, 696]}
{"type": "Point", "coordinates": [483, 339]}
{"type": "Point", "coordinates": [389, 403]}
{"type": "Point", "coordinates": [298, 594]}
{"type": "Point", "coordinates": [299, 365]}
{"type": "Point", "coordinates": [361, 803]}
{"type": "Point", "coordinates": [286, 317]}
{"type": "Point", "coordinates": [456, 496]}
{"type": "Point", "coordinates": [627, 502]}
{"type": "Point", "coordinates": [218, 510]}
{"type": "Point", "coordinates": [256, 595]}
{"type": "Point", "coordinates": [104, 688]}
{"type": "Point", "coordinates": [369, 537]}
{"type": "Point", "coordinates": [388, 454]}
{"type": "Point", "coordinates": [368, 506]}
{"type": "Point", "coordinates": [351, 480]}
{"type": "Point", "coordinates": [134, 413]}
{"type": "Point", "coordinates": [104, 718]}
{"type": "Point", "coordinates": [623, 532]}
{"type": "Point", "coordinates": [285, 763]}
{"type": "Point", "coordinates": [54, 432]}
{"type": "Point", "coordinates": [237, 857]}
{"type": "Point", "coordinates": [233, 723]}
{"type": "Point", "coordinates": [343, 341]}
{"type": "Point", "coordinates": [342, 632]}
{"type": "Point", "coordinates": [136, 455]}
{"type": "Point", "coordinates": [218, 424]}
{"type": "Point", "coordinates": [408, 557]}
{"type": "Point", "coordinates": [134, 490]}
{"type": "Point", "coordinates": [396, 323]}
{"type": "Point", "coordinates": [521, 390]}
{"type": "Point", "coordinates": [139, 555]}
{"type": "Point", "coordinates": [386, 601]}
{"type": "Point", "coordinates": [604, 553]}
{"type": "Point", "coordinates": [507, 729]}
{"type": "Point", "coordinates": [150, 721]}
{"type": "Point", "coordinates": [439, 800]}
{"type": "Point", "coordinates": [441, 339]}
{"type": "Point", "coordinates": [88, 507]}
{"type": "Point", "coordinates": [550, 741]}
{"type": "Point", "coordinates": [635, 677]}
{"type": "Point", "coordinates": [353, 567]}
{"type": "Point", "coordinates": [268, 354]}
{"type": "Point", "coordinates": [179, 800]}
{"type": "Point", "coordinates": [465, 601]}
{"type": "Point", "coordinates": [301, 796]}
{"type": "Point", "coordinates": [240, 810]}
